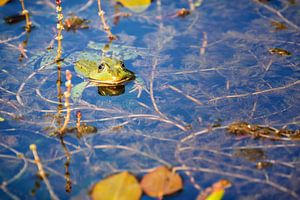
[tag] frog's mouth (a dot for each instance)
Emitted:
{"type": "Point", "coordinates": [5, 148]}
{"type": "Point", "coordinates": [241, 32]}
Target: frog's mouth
{"type": "Point", "coordinates": [113, 82]}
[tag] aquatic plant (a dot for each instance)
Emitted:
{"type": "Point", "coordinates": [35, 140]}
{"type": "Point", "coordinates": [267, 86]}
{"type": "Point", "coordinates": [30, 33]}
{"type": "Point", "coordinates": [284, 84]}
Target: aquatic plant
{"type": "Point", "coordinates": [67, 95]}
{"type": "Point", "coordinates": [59, 28]}
{"type": "Point", "coordinates": [26, 13]}
{"type": "Point", "coordinates": [105, 25]}
{"type": "Point", "coordinates": [41, 171]}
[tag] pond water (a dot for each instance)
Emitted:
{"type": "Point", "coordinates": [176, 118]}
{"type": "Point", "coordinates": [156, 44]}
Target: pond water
{"type": "Point", "coordinates": [199, 73]}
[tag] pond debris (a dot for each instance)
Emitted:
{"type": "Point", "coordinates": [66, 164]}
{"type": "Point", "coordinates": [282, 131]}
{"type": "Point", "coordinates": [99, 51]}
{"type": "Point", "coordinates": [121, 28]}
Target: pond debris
{"type": "Point", "coordinates": [278, 25]}
{"type": "Point", "coordinates": [183, 12]}
{"type": "Point", "coordinates": [161, 181]}
{"type": "Point", "coordinates": [74, 23]}
{"type": "Point", "coordinates": [280, 52]}
{"type": "Point", "coordinates": [204, 44]}
{"type": "Point", "coordinates": [216, 191]}
{"type": "Point", "coordinates": [258, 131]}
{"type": "Point", "coordinates": [255, 155]}
{"type": "Point", "coordinates": [263, 164]}
{"type": "Point", "coordinates": [41, 171]}
{"type": "Point", "coordinates": [250, 154]}
{"type": "Point", "coordinates": [263, 1]}
{"type": "Point", "coordinates": [14, 19]}
{"type": "Point", "coordinates": [23, 51]}
{"type": "Point", "coordinates": [293, 2]}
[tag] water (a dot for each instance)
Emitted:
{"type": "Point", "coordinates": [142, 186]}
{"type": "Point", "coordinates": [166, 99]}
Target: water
{"type": "Point", "coordinates": [190, 87]}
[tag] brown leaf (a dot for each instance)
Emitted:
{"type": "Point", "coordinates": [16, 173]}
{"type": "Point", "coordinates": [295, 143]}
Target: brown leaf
{"type": "Point", "coordinates": [161, 181]}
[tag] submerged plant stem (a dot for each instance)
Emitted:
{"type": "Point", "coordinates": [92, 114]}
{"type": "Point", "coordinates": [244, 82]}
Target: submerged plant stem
{"type": "Point", "coordinates": [41, 171]}
{"type": "Point", "coordinates": [59, 27]}
{"type": "Point", "coordinates": [25, 12]}
{"type": "Point", "coordinates": [105, 26]}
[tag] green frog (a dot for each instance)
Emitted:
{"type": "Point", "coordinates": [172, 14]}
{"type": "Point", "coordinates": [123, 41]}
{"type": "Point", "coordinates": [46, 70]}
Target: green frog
{"type": "Point", "coordinates": [109, 72]}
{"type": "Point", "coordinates": [109, 75]}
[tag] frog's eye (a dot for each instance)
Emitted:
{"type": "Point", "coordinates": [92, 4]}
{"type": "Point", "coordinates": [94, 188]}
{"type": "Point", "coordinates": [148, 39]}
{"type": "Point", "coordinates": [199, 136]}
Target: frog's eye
{"type": "Point", "coordinates": [122, 65]}
{"type": "Point", "coordinates": [101, 67]}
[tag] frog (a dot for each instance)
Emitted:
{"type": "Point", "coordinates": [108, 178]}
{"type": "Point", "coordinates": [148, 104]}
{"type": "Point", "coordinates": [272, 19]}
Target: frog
{"type": "Point", "coordinates": [110, 75]}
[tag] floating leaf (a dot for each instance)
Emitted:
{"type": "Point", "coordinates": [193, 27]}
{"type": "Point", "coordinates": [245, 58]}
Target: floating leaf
{"type": "Point", "coordinates": [2, 119]}
{"type": "Point", "coordinates": [135, 5]}
{"type": "Point", "coordinates": [3, 2]}
{"type": "Point", "coordinates": [161, 181]}
{"type": "Point", "coordinates": [216, 191]}
{"type": "Point", "coordinates": [121, 186]}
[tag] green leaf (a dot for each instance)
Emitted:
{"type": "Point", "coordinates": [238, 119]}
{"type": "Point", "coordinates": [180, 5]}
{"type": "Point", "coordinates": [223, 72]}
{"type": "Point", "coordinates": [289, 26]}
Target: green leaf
{"type": "Point", "coordinates": [121, 186]}
{"type": "Point", "coordinates": [2, 119]}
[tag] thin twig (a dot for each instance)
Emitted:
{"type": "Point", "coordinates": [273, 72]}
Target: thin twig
{"type": "Point", "coordinates": [186, 95]}
{"type": "Point", "coordinates": [256, 93]}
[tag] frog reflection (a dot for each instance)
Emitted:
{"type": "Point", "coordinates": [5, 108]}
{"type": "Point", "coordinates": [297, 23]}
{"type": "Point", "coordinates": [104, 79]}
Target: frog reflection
{"type": "Point", "coordinates": [110, 76]}
{"type": "Point", "coordinates": [111, 90]}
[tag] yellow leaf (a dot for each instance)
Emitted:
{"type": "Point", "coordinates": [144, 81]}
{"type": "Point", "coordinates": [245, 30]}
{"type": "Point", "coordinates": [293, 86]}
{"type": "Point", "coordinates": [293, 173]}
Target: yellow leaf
{"type": "Point", "coordinates": [161, 181]}
{"type": "Point", "coordinates": [121, 186]}
{"type": "Point", "coordinates": [3, 2]}
{"type": "Point", "coordinates": [2, 119]}
{"type": "Point", "coordinates": [217, 195]}
{"type": "Point", "coordinates": [216, 191]}
{"type": "Point", "coordinates": [135, 5]}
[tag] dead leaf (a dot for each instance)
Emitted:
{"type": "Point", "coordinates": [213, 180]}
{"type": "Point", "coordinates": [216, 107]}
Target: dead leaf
{"type": "Point", "coordinates": [161, 181]}
{"type": "Point", "coordinates": [121, 186]}
{"type": "Point", "coordinates": [3, 2]}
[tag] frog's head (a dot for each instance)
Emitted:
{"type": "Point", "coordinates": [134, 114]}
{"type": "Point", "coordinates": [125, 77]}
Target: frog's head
{"type": "Point", "coordinates": [110, 71]}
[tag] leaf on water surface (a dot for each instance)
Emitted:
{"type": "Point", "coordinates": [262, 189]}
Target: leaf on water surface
{"type": "Point", "coordinates": [121, 186]}
{"type": "Point", "coordinates": [216, 191]}
{"type": "Point", "coordinates": [2, 119]}
{"type": "Point", "coordinates": [135, 5]}
{"type": "Point", "coordinates": [161, 181]}
{"type": "Point", "coordinates": [3, 2]}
